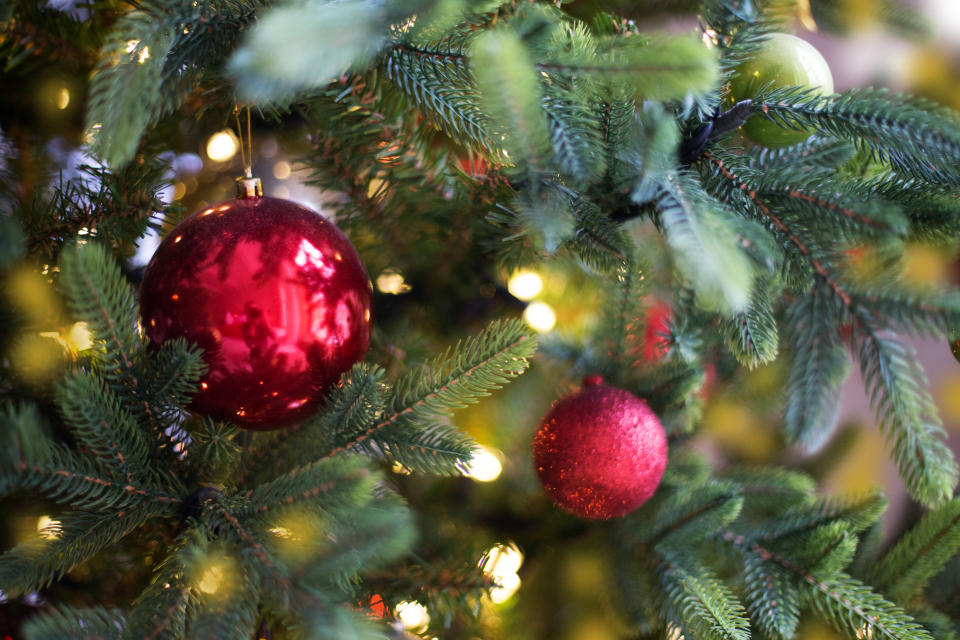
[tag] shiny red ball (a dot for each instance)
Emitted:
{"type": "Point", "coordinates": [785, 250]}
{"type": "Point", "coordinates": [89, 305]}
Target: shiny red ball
{"type": "Point", "coordinates": [600, 452]}
{"type": "Point", "coordinates": [274, 293]}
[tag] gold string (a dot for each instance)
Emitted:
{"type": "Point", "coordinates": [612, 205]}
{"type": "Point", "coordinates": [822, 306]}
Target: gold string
{"type": "Point", "coordinates": [246, 150]}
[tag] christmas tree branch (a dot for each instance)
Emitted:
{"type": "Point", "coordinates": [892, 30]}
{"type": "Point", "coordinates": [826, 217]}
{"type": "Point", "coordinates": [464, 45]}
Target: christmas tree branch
{"type": "Point", "coordinates": [481, 364]}
{"type": "Point", "coordinates": [73, 623]}
{"type": "Point", "coordinates": [920, 554]}
{"type": "Point", "coordinates": [814, 261]}
{"type": "Point", "coordinates": [906, 412]}
{"type": "Point", "coordinates": [847, 603]}
{"type": "Point", "coordinates": [917, 137]}
{"type": "Point", "coordinates": [818, 367]}
{"type": "Point", "coordinates": [702, 604]}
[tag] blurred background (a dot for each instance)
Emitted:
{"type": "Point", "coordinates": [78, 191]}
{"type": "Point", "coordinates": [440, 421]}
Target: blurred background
{"type": "Point", "coordinates": [867, 43]}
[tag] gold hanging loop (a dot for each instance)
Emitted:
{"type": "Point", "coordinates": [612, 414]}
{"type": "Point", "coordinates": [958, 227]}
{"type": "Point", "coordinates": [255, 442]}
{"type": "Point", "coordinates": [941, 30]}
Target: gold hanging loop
{"type": "Point", "coordinates": [247, 185]}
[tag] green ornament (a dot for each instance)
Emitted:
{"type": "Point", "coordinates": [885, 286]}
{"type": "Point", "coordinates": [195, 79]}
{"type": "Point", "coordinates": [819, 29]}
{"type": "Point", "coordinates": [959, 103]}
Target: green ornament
{"type": "Point", "coordinates": [783, 60]}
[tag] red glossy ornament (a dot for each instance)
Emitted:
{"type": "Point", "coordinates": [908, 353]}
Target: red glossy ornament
{"type": "Point", "coordinates": [274, 293]}
{"type": "Point", "coordinates": [600, 452]}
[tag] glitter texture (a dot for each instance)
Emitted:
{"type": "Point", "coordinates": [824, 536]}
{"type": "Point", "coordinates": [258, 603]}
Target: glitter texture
{"type": "Point", "coordinates": [600, 452]}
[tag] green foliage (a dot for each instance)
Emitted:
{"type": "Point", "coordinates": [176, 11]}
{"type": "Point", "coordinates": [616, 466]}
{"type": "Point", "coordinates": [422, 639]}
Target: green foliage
{"type": "Point", "coordinates": [752, 333]}
{"type": "Point", "coordinates": [151, 59]}
{"type": "Point", "coordinates": [34, 564]}
{"type": "Point", "coordinates": [102, 427]}
{"type": "Point", "coordinates": [98, 293]}
{"type": "Point", "coordinates": [906, 413]}
{"type": "Point", "coordinates": [511, 95]}
{"type": "Point", "coordinates": [917, 138]}
{"type": "Point", "coordinates": [412, 426]}
{"type": "Point", "coordinates": [854, 608]}
{"type": "Point", "coordinates": [686, 515]}
{"type": "Point", "coordinates": [585, 118]}
{"type": "Point", "coordinates": [819, 367]}
{"type": "Point", "coordinates": [702, 233]}
{"type": "Point", "coordinates": [920, 554]}
{"type": "Point", "coordinates": [770, 596]}
{"type": "Point", "coordinates": [71, 623]}
{"type": "Point", "coordinates": [703, 606]}
{"type": "Point", "coordinates": [274, 61]}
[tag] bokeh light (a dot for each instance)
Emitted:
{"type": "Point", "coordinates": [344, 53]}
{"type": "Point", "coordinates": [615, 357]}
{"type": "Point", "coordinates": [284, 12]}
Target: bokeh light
{"type": "Point", "coordinates": [501, 563]}
{"type": "Point", "coordinates": [211, 579]}
{"type": "Point", "coordinates": [412, 615]}
{"type": "Point", "coordinates": [392, 282]}
{"type": "Point", "coordinates": [540, 316]}
{"type": "Point", "coordinates": [281, 170]}
{"type": "Point", "coordinates": [525, 285]}
{"type": "Point", "coordinates": [484, 466]}
{"type": "Point", "coordinates": [63, 98]}
{"type": "Point", "coordinates": [222, 146]}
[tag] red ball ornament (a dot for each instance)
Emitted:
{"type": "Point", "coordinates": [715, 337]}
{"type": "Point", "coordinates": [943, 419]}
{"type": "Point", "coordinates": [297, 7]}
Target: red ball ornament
{"type": "Point", "coordinates": [274, 293]}
{"type": "Point", "coordinates": [600, 452]}
{"type": "Point", "coordinates": [655, 342]}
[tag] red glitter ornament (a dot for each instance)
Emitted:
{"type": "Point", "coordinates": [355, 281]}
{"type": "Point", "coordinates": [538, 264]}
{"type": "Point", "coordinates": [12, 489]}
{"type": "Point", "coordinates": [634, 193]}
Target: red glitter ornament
{"type": "Point", "coordinates": [274, 293]}
{"type": "Point", "coordinates": [600, 452]}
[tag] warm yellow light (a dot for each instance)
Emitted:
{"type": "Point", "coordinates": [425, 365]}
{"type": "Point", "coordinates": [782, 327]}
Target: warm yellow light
{"type": "Point", "coordinates": [501, 563]}
{"type": "Point", "coordinates": [413, 615]}
{"type": "Point", "coordinates": [540, 316]}
{"type": "Point", "coordinates": [222, 146]}
{"type": "Point", "coordinates": [79, 337]}
{"type": "Point", "coordinates": [399, 469]}
{"type": "Point", "coordinates": [484, 466]}
{"type": "Point", "coordinates": [281, 532]}
{"type": "Point", "coordinates": [507, 585]}
{"type": "Point", "coordinates": [144, 55]}
{"type": "Point", "coordinates": [673, 633]}
{"type": "Point", "coordinates": [501, 560]}
{"type": "Point", "coordinates": [132, 45]}
{"type": "Point", "coordinates": [48, 528]}
{"type": "Point", "coordinates": [281, 170]}
{"type": "Point", "coordinates": [211, 579]}
{"type": "Point", "coordinates": [63, 98]}
{"type": "Point", "coordinates": [391, 281]}
{"type": "Point", "coordinates": [525, 285]}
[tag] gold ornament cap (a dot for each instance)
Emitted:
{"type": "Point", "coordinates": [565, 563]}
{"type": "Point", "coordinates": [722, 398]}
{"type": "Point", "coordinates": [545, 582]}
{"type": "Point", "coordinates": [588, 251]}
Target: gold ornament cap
{"type": "Point", "coordinates": [249, 187]}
